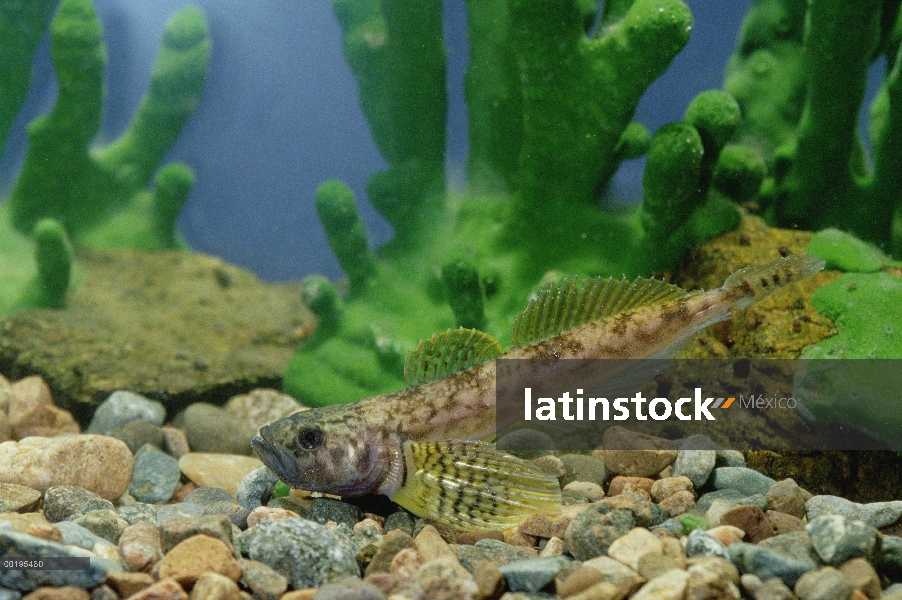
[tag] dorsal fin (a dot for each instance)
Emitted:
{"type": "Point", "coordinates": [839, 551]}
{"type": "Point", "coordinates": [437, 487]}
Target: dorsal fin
{"type": "Point", "coordinates": [446, 353]}
{"type": "Point", "coordinates": [576, 302]}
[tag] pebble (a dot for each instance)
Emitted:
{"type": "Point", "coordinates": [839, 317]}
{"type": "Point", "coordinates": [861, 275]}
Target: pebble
{"type": "Point", "coordinates": [545, 525]}
{"type": "Point", "coordinates": [392, 543]}
{"type": "Point", "coordinates": [211, 428]}
{"type": "Point", "coordinates": [742, 479]}
{"type": "Point", "coordinates": [726, 534]}
{"type": "Point", "coordinates": [104, 523]}
{"type": "Point", "coordinates": [175, 531]}
{"type": "Point", "coordinates": [140, 546]}
{"type": "Point", "coordinates": [712, 578]}
{"type": "Point", "coordinates": [399, 520]}
{"type": "Point", "coordinates": [863, 577]}
{"type": "Point", "coordinates": [66, 502]}
{"type": "Point", "coordinates": [180, 510]}
{"type": "Point", "coordinates": [533, 574]}
{"type": "Point", "coordinates": [592, 531]}
{"type": "Point", "coordinates": [621, 482]}
{"type": "Point", "coordinates": [6, 432]}
{"type": "Point", "coordinates": [135, 434]}
{"type": "Point", "coordinates": [637, 454]}
{"type": "Point", "coordinates": [527, 444]}
{"type": "Point", "coordinates": [889, 559]}
{"type": "Point", "coordinates": [551, 465]}
{"type": "Point", "coordinates": [652, 565]}
{"type": "Point", "coordinates": [225, 471]}
{"type": "Point", "coordinates": [679, 503]}
{"type": "Point", "coordinates": [100, 464]}
{"type": "Point", "coordinates": [76, 535]}
{"type": "Point", "coordinates": [787, 497]}
{"type": "Point", "coordinates": [262, 581]}
{"type": "Point", "coordinates": [63, 593]}
{"type": "Point", "coordinates": [588, 489]}
{"type": "Point", "coordinates": [670, 585]}
{"type": "Point", "coordinates": [323, 510]}
{"type": "Point", "coordinates": [263, 405]}
{"type": "Point", "coordinates": [176, 441]}
{"type": "Point", "coordinates": [784, 523]}
{"type": "Point", "coordinates": [349, 589]}
{"type": "Point", "coordinates": [837, 539]}
{"type": "Point", "coordinates": [750, 519]}
{"type": "Point", "coordinates": [824, 584]}
{"type": "Point", "coordinates": [33, 524]}
{"type": "Point", "coordinates": [696, 465]}
{"type": "Point", "coordinates": [155, 475]}
{"type": "Point", "coordinates": [307, 553]}
{"type": "Point", "coordinates": [127, 584]}
{"type": "Point", "coordinates": [766, 563]}
{"type": "Point", "coordinates": [487, 550]}
{"type": "Point", "coordinates": [630, 548]}
{"type": "Point", "coordinates": [230, 509]}
{"type": "Point", "coordinates": [665, 488]}
{"type": "Point", "coordinates": [44, 420]}
{"type": "Point", "coordinates": [197, 555]}
{"type": "Point", "coordinates": [442, 578]}
{"type": "Point", "coordinates": [21, 545]}
{"type": "Point", "coordinates": [138, 512]}
{"type": "Point", "coordinates": [796, 545]}
{"type": "Point", "coordinates": [208, 495]}
{"type": "Point", "coordinates": [213, 586]}
{"type": "Point", "coordinates": [167, 589]}
{"type": "Point", "coordinates": [647, 513]}
{"type": "Point", "coordinates": [580, 467]}
{"type": "Point", "coordinates": [266, 514]}
{"type": "Point", "coordinates": [18, 498]}
{"type": "Point", "coordinates": [875, 514]}
{"type": "Point", "coordinates": [691, 522]}
{"type": "Point", "coordinates": [122, 407]}
{"type": "Point", "coordinates": [700, 544]}
{"type": "Point", "coordinates": [296, 504]}
{"type": "Point", "coordinates": [729, 458]}
{"type": "Point", "coordinates": [554, 547]}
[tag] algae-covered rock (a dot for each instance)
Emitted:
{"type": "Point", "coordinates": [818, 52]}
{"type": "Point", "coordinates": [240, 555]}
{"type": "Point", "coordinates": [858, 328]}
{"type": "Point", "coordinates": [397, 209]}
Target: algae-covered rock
{"type": "Point", "coordinates": [846, 252]}
{"type": "Point", "coordinates": [173, 326]}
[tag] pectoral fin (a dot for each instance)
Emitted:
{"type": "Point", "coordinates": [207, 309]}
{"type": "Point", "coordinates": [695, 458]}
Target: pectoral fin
{"type": "Point", "coordinates": [471, 485]}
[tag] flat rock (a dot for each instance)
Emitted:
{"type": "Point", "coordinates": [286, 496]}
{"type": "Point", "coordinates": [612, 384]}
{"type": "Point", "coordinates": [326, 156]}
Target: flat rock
{"type": "Point", "coordinates": [97, 463]}
{"type": "Point", "coordinates": [211, 428]}
{"type": "Point", "coordinates": [18, 498]}
{"type": "Point", "coordinates": [155, 476]}
{"type": "Point", "coordinates": [64, 502]}
{"type": "Point", "coordinates": [742, 479]}
{"type": "Point", "coordinates": [20, 545]}
{"type": "Point", "coordinates": [123, 407]}
{"type": "Point", "coordinates": [875, 514]}
{"type": "Point", "coordinates": [766, 563]}
{"type": "Point", "coordinates": [197, 555]}
{"type": "Point", "coordinates": [697, 465]}
{"type": "Point", "coordinates": [824, 584]}
{"type": "Point", "coordinates": [533, 574]}
{"type": "Point", "coordinates": [208, 330]}
{"type": "Point", "coordinates": [218, 470]}
{"type": "Point", "coordinates": [838, 539]}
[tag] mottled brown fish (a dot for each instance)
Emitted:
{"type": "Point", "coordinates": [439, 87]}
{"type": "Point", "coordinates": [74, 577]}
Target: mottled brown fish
{"type": "Point", "coordinates": [420, 446]}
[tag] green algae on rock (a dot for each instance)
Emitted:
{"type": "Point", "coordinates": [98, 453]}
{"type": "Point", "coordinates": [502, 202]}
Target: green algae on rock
{"type": "Point", "coordinates": [99, 196]}
{"type": "Point", "coordinates": [175, 326]}
{"type": "Point", "coordinates": [799, 74]}
{"type": "Point", "coordinates": [845, 252]}
{"type": "Point", "coordinates": [550, 121]}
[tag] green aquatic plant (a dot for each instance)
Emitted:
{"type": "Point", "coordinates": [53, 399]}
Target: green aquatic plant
{"type": "Point", "coordinates": [799, 73]}
{"type": "Point", "coordinates": [69, 190]}
{"type": "Point", "coordinates": [550, 109]}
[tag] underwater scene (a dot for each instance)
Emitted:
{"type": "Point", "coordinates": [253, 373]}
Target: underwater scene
{"type": "Point", "coordinates": [474, 299]}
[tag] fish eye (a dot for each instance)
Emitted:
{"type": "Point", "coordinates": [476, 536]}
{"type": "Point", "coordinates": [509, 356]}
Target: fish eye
{"type": "Point", "coordinates": [310, 438]}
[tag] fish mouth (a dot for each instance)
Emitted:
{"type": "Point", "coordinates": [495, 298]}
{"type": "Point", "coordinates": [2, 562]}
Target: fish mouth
{"type": "Point", "coordinates": [275, 456]}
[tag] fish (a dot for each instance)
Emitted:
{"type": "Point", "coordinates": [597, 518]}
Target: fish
{"type": "Point", "coordinates": [426, 448]}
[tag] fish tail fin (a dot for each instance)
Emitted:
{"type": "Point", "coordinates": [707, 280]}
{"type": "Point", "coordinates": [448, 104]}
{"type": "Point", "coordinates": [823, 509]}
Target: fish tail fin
{"type": "Point", "coordinates": [471, 485]}
{"type": "Point", "coordinates": [751, 284]}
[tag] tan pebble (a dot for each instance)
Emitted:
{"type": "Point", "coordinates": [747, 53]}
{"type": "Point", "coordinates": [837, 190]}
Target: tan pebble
{"type": "Point", "coordinates": [545, 525]}
{"type": "Point", "coordinates": [581, 579]}
{"type": "Point", "coordinates": [6, 430]}
{"type": "Point", "coordinates": [33, 523]}
{"type": "Point", "coordinates": [108, 552]}
{"type": "Point", "coordinates": [306, 594]}
{"type": "Point", "coordinates": [665, 488]}
{"type": "Point", "coordinates": [678, 503]}
{"type": "Point", "coordinates": [726, 534]}
{"type": "Point", "coordinates": [45, 420]}
{"type": "Point", "coordinates": [489, 580]}
{"type": "Point", "coordinates": [672, 548]}
{"type": "Point", "coordinates": [18, 498]}
{"type": "Point", "coordinates": [127, 584]}
{"type": "Point", "coordinates": [61, 593]}
{"type": "Point", "coordinates": [266, 514]}
{"type": "Point", "coordinates": [471, 537]}
{"type": "Point", "coordinates": [615, 488]}
{"type": "Point", "coordinates": [183, 490]}
{"type": "Point", "coordinates": [217, 470]}
{"type": "Point", "coordinates": [263, 405]}
{"type": "Point", "coordinates": [140, 546]}
{"type": "Point", "coordinates": [197, 555]}
{"type": "Point", "coordinates": [637, 454]}
{"type": "Point", "coordinates": [784, 523]}
{"type": "Point", "coordinates": [405, 565]}
{"type": "Point", "coordinates": [630, 488]}
{"type": "Point", "coordinates": [366, 523]}
{"type": "Point", "coordinates": [717, 508]}
{"type": "Point", "coordinates": [176, 441]}
{"type": "Point", "coordinates": [97, 463]}
{"type": "Point", "coordinates": [859, 595]}
{"type": "Point", "coordinates": [713, 577]}
{"type": "Point", "coordinates": [550, 464]}
{"type": "Point", "coordinates": [430, 545]}
{"type": "Point", "coordinates": [667, 472]}
{"type": "Point", "coordinates": [863, 577]}
{"type": "Point", "coordinates": [393, 542]}
{"type": "Point", "coordinates": [554, 547]}
{"type": "Point", "coordinates": [603, 590]}
{"type": "Point", "coordinates": [670, 585]}
{"type": "Point", "coordinates": [167, 589]}
{"type": "Point", "coordinates": [213, 586]}
{"type": "Point", "coordinates": [651, 565]}
{"type": "Point", "coordinates": [589, 489]}
{"type": "Point", "coordinates": [26, 394]}
{"type": "Point", "coordinates": [629, 548]}
{"type": "Point", "coordinates": [386, 582]}
{"type": "Point", "coordinates": [514, 537]}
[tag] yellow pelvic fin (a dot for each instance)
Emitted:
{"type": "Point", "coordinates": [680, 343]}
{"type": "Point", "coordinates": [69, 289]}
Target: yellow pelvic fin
{"type": "Point", "coordinates": [575, 302]}
{"type": "Point", "coordinates": [447, 353]}
{"type": "Point", "coordinates": [471, 485]}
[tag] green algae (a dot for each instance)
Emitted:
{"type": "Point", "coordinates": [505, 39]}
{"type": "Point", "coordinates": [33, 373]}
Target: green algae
{"type": "Point", "coordinates": [550, 122]}
{"type": "Point", "coordinates": [70, 192]}
{"type": "Point", "coordinates": [845, 252]}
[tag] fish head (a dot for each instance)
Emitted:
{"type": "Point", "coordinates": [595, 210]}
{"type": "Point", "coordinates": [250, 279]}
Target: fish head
{"type": "Point", "coordinates": [324, 450]}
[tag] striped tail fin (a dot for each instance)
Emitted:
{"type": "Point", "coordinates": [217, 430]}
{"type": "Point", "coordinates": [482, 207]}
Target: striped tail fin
{"type": "Point", "coordinates": [751, 284]}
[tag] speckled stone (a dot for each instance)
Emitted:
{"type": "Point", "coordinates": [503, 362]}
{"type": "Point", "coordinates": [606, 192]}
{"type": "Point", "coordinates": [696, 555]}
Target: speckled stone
{"type": "Point", "coordinates": [236, 513]}
{"type": "Point", "coordinates": [700, 544]}
{"type": "Point", "coordinates": [22, 545]}
{"type": "Point", "coordinates": [697, 465]}
{"type": "Point", "coordinates": [766, 563]}
{"type": "Point", "coordinates": [787, 497]}
{"type": "Point", "coordinates": [64, 502]}
{"type": "Point", "coordinates": [18, 498]}
{"type": "Point", "coordinates": [104, 523]}
{"type": "Point", "coordinates": [583, 468]}
{"type": "Point", "coordinates": [208, 495]}
{"type": "Point", "coordinates": [838, 539]}
{"type": "Point", "coordinates": [174, 531]}
{"type": "Point", "coordinates": [323, 510]}
{"type": "Point", "coordinates": [533, 574]}
{"type": "Point", "coordinates": [742, 479]}
{"type": "Point", "coordinates": [824, 584]}
{"type": "Point", "coordinates": [592, 531]}
{"type": "Point", "coordinates": [138, 512]}
{"type": "Point", "coordinates": [264, 582]}
{"type": "Point", "coordinates": [155, 476]}
{"type": "Point", "coordinates": [140, 546]}
{"type": "Point", "coordinates": [399, 520]}
{"type": "Point", "coordinates": [123, 407]}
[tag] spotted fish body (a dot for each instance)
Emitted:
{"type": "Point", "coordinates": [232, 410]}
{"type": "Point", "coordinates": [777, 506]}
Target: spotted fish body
{"type": "Point", "coordinates": [421, 447]}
